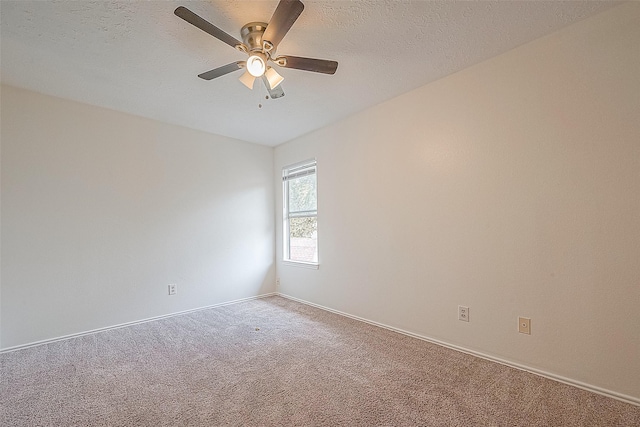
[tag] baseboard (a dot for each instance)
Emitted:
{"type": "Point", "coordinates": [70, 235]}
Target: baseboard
{"type": "Point", "coordinates": [588, 387]}
{"type": "Point", "coordinates": [135, 322]}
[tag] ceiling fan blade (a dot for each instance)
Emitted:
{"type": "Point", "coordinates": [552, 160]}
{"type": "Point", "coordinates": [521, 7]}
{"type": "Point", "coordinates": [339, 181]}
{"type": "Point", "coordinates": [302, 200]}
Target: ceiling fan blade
{"type": "Point", "coordinates": [283, 18]}
{"type": "Point", "coordinates": [274, 93]}
{"type": "Point", "coordinates": [307, 64]}
{"type": "Point", "coordinates": [206, 26]}
{"type": "Point", "coordinates": [221, 71]}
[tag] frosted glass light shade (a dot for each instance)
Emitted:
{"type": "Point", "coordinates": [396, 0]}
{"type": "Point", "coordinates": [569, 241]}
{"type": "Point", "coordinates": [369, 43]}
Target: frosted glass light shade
{"type": "Point", "coordinates": [256, 65]}
{"type": "Point", "coordinates": [247, 79]}
{"type": "Point", "coordinates": [273, 78]}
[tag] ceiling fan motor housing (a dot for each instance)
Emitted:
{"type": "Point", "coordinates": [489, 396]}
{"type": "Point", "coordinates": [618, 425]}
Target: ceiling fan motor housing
{"type": "Point", "coordinates": [252, 35]}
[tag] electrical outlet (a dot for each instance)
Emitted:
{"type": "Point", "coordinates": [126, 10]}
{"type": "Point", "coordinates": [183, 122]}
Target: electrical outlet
{"type": "Point", "coordinates": [173, 289]}
{"type": "Point", "coordinates": [278, 283]}
{"type": "Point", "coordinates": [463, 313]}
{"type": "Point", "coordinates": [524, 325]}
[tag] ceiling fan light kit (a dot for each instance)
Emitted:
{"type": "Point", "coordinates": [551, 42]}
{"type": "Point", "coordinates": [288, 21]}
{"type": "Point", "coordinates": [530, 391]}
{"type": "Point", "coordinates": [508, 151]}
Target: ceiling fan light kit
{"type": "Point", "coordinates": [260, 41]}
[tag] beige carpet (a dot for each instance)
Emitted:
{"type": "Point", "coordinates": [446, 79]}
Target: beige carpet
{"type": "Point", "coordinates": [275, 362]}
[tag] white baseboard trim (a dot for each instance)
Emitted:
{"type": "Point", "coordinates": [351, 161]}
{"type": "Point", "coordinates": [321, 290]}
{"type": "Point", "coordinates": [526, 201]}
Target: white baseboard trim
{"type": "Point", "coordinates": [135, 322]}
{"type": "Point", "coordinates": [588, 387]}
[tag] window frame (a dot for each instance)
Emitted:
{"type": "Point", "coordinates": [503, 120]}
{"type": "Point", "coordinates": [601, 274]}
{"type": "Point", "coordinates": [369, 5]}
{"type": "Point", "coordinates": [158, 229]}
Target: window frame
{"type": "Point", "coordinates": [290, 172]}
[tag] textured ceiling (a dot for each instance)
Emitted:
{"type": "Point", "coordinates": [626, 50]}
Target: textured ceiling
{"type": "Point", "coordinates": [138, 57]}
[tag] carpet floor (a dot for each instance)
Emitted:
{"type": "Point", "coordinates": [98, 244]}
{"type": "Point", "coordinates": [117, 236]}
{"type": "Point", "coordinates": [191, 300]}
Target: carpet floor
{"type": "Point", "coordinates": [276, 362]}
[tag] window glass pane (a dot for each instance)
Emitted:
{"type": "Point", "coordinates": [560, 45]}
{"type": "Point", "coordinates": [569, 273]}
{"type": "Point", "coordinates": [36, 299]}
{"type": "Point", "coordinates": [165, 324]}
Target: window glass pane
{"type": "Point", "coordinates": [302, 194]}
{"type": "Point", "coordinates": [303, 241]}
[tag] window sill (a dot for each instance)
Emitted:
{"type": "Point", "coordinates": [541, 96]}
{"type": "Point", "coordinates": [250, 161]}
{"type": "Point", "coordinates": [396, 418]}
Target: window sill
{"type": "Point", "coordinates": [311, 265]}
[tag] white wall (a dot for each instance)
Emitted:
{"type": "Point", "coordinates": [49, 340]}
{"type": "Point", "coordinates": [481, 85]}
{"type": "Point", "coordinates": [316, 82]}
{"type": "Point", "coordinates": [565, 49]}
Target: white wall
{"type": "Point", "coordinates": [0, 219]}
{"type": "Point", "coordinates": [102, 210]}
{"type": "Point", "coordinates": [512, 187]}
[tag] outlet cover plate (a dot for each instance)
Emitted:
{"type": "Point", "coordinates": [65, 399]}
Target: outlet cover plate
{"type": "Point", "coordinates": [463, 313]}
{"type": "Point", "coordinates": [524, 325]}
{"type": "Point", "coordinates": [173, 289]}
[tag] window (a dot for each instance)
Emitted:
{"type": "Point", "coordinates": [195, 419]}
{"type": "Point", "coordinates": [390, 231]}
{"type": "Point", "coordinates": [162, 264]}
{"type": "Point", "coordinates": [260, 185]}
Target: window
{"type": "Point", "coordinates": [300, 217]}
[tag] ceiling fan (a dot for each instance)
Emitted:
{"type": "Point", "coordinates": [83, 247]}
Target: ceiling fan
{"type": "Point", "coordinates": [260, 41]}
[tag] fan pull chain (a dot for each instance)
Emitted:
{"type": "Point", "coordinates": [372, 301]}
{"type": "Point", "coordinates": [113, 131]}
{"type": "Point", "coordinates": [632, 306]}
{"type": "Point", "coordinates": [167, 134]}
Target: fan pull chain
{"type": "Point", "coordinates": [266, 97]}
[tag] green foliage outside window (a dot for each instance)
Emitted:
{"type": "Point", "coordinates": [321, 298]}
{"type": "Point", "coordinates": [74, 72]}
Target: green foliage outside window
{"type": "Point", "coordinates": [303, 227]}
{"type": "Point", "coordinates": [302, 197]}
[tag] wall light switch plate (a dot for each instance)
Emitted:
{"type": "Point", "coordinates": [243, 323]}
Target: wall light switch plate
{"type": "Point", "coordinates": [463, 313]}
{"type": "Point", "coordinates": [524, 325]}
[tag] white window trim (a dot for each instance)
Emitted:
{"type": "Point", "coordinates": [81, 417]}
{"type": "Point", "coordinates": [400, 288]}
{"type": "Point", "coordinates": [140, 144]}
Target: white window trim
{"type": "Point", "coordinates": [285, 214]}
{"type": "Point", "coordinates": [311, 265]}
